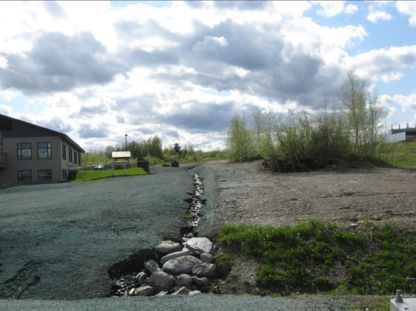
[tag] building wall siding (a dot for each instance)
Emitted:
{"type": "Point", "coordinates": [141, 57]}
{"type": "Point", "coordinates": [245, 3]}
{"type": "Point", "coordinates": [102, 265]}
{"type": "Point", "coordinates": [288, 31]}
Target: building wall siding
{"type": "Point", "coordinates": [14, 165]}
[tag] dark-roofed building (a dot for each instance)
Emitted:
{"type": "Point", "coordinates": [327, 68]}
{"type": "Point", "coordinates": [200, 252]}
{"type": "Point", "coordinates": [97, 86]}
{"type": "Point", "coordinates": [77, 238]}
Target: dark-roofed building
{"type": "Point", "coordinates": [33, 154]}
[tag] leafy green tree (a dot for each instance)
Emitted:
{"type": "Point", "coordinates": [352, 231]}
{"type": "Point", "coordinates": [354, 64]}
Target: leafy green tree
{"type": "Point", "coordinates": [363, 112]}
{"type": "Point", "coordinates": [239, 141]}
{"type": "Point", "coordinates": [109, 150]}
{"type": "Point", "coordinates": [177, 149]}
{"type": "Point", "coordinates": [258, 128]}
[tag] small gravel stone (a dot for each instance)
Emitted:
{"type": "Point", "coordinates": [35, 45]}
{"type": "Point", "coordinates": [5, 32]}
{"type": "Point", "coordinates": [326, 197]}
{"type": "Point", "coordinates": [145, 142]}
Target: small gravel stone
{"type": "Point", "coordinates": [141, 276]}
{"type": "Point", "coordinates": [184, 280]}
{"type": "Point", "coordinates": [195, 292]}
{"type": "Point", "coordinates": [204, 270]}
{"type": "Point", "coordinates": [144, 291]}
{"type": "Point", "coordinates": [181, 291]}
{"type": "Point", "coordinates": [167, 247]}
{"type": "Point", "coordinates": [152, 266]}
{"type": "Point", "coordinates": [208, 258]}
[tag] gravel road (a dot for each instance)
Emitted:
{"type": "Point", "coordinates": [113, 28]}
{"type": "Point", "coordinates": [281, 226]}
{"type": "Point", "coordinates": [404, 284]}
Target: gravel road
{"type": "Point", "coordinates": [59, 241]}
{"type": "Point", "coordinates": [197, 303]}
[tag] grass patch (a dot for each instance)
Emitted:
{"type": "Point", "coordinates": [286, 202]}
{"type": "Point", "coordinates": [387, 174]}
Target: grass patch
{"type": "Point", "coordinates": [304, 257]}
{"type": "Point", "coordinates": [402, 154]}
{"type": "Point", "coordinates": [91, 175]}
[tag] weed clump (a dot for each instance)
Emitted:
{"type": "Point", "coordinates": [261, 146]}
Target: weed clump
{"type": "Point", "coordinates": [307, 255]}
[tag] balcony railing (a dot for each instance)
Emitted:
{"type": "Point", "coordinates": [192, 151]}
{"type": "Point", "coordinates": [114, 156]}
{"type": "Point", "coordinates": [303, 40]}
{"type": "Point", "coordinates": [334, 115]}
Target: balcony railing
{"type": "Point", "coordinates": [3, 160]}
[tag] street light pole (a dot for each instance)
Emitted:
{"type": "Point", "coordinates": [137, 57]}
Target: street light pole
{"type": "Point", "coordinates": [125, 135]}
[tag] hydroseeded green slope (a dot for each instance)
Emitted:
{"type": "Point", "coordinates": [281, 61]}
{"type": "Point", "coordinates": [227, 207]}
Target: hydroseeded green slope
{"type": "Point", "coordinates": [91, 175]}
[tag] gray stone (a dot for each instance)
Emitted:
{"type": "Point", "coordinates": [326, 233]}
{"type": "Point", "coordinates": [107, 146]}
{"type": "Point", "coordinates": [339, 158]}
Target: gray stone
{"type": "Point", "coordinates": [170, 256]}
{"type": "Point", "coordinates": [184, 280]}
{"type": "Point", "coordinates": [167, 247]}
{"type": "Point", "coordinates": [181, 291]}
{"type": "Point", "coordinates": [141, 276]}
{"type": "Point", "coordinates": [181, 265]}
{"type": "Point", "coordinates": [160, 288]}
{"type": "Point", "coordinates": [204, 270]}
{"type": "Point", "coordinates": [152, 266]}
{"type": "Point", "coordinates": [205, 257]}
{"type": "Point", "coordinates": [162, 278]}
{"type": "Point", "coordinates": [198, 246]}
{"type": "Point", "coordinates": [195, 292]}
{"type": "Point", "coordinates": [163, 293]}
{"type": "Point", "coordinates": [144, 291]}
{"type": "Point", "coordinates": [201, 281]}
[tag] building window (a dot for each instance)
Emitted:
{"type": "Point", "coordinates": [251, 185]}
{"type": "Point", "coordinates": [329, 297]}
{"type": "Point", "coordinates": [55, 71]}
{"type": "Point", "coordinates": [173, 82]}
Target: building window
{"type": "Point", "coordinates": [44, 150]}
{"type": "Point", "coordinates": [75, 157]}
{"type": "Point", "coordinates": [64, 174]}
{"type": "Point", "coordinates": [24, 175]}
{"type": "Point", "coordinates": [63, 151]}
{"type": "Point", "coordinates": [24, 151]}
{"type": "Point", "coordinates": [45, 175]}
{"type": "Point", "coordinates": [70, 155]}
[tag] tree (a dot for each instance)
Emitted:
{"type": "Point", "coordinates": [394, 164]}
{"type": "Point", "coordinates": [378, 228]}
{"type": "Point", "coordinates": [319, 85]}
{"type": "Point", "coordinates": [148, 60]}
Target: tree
{"type": "Point", "coordinates": [177, 149]}
{"type": "Point", "coordinates": [258, 124]}
{"type": "Point", "coordinates": [363, 113]}
{"type": "Point", "coordinates": [239, 140]}
{"type": "Point", "coordinates": [109, 150]}
{"type": "Point", "coordinates": [268, 140]}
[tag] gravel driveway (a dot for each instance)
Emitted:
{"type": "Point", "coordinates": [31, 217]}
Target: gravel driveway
{"type": "Point", "coordinates": [58, 241]}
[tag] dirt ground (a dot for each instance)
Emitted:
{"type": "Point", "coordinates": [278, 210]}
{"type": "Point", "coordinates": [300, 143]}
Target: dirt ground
{"type": "Point", "coordinates": [346, 193]}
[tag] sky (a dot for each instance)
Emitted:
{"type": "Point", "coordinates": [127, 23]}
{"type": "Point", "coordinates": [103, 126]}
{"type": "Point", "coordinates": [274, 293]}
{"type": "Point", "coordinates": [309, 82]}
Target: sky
{"type": "Point", "coordinates": [181, 69]}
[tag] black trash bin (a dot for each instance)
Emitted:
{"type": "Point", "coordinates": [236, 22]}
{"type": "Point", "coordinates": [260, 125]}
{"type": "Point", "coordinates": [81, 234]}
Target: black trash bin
{"type": "Point", "coordinates": [174, 164]}
{"type": "Point", "coordinates": [144, 164]}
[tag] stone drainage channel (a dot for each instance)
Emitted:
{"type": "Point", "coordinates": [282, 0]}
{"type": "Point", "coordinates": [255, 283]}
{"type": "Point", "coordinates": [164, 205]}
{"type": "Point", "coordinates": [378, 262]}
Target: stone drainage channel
{"type": "Point", "coordinates": [186, 267]}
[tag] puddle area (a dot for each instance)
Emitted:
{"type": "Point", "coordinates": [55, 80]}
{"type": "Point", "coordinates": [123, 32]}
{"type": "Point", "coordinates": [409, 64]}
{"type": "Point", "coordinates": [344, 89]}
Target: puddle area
{"type": "Point", "coordinates": [125, 272]}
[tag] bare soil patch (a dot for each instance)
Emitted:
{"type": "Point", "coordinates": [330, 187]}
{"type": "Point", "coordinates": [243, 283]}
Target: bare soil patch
{"type": "Point", "coordinates": [345, 193]}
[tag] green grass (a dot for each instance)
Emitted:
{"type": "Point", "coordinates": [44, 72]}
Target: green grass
{"type": "Point", "coordinates": [302, 256]}
{"type": "Point", "coordinates": [91, 175]}
{"type": "Point", "coordinates": [402, 154]}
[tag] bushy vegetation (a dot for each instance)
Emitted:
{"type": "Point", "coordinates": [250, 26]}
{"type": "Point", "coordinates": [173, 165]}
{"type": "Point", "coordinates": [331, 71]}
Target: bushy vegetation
{"type": "Point", "coordinates": [76, 176]}
{"type": "Point", "coordinates": [299, 141]}
{"type": "Point", "coordinates": [375, 262]}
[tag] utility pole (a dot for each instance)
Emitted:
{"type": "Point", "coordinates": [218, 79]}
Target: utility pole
{"type": "Point", "coordinates": [125, 135]}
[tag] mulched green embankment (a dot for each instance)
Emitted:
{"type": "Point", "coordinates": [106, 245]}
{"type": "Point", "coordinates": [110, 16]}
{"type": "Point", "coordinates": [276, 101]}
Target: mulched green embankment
{"type": "Point", "coordinates": [91, 175]}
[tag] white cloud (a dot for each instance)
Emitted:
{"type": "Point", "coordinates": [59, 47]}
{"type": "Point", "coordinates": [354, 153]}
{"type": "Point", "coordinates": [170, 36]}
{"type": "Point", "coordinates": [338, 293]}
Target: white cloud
{"type": "Point", "coordinates": [375, 16]}
{"type": "Point", "coordinates": [383, 64]}
{"type": "Point", "coordinates": [408, 8]}
{"type": "Point", "coordinates": [333, 8]}
{"type": "Point", "coordinates": [5, 110]}
{"type": "Point", "coordinates": [146, 71]}
{"type": "Point", "coordinates": [8, 95]}
{"type": "Point", "coordinates": [408, 103]}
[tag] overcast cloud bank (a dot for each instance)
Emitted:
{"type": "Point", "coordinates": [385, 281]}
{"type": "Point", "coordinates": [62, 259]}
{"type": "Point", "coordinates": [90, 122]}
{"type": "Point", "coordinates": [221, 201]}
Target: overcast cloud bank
{"type": "Point", "coordinates": [96, 72]}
